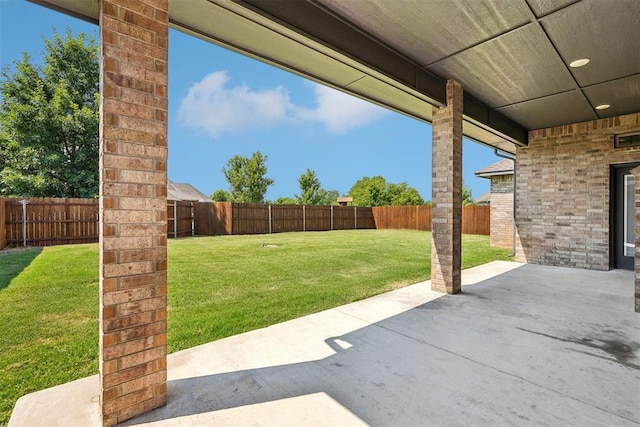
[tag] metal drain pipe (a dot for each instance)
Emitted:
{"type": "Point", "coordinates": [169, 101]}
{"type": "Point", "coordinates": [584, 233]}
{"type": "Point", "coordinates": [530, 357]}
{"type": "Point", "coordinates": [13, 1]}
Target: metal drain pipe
{"type": "Point", "coordinates": [511, 157]}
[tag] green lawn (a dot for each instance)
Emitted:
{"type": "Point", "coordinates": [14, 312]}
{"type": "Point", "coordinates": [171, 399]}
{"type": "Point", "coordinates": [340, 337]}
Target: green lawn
{"type": "Point", "coordinates": [218, 286]}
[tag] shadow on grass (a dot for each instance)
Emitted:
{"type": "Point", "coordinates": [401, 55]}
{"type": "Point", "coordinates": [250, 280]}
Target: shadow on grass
{"type": "Point", "coordinates": [12, 262]}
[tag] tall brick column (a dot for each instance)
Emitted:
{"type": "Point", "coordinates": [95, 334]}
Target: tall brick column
{"type": "Point", "coordinates": [446, 240]}
{"type": "Point", "coordinates": [636, 265]}
{"type": "Point", "coordinates": [133, 203]}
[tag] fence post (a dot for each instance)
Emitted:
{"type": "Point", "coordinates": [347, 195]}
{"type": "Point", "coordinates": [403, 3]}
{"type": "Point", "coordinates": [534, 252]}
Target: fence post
{"type": "Point", "coordinates": [270, 219]}
{"type": "Point", "coordinates": [175, 219]}
{"type": "Point", "coordinates": [24, 222]}
{"type": "Point", "coordinates": [355, 217]}
{"type": "Point", "coordinates": [304, 217]}
{"type": "Point", "coordinates": [331, 217]}
{"type": "Point", "coordinates": [193, 218]}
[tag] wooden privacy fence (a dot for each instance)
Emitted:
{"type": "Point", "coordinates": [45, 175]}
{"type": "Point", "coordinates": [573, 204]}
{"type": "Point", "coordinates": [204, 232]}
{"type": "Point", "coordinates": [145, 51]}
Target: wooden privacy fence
{"type": "Point", "coordinates": [50, 221]}
{"type": "Point", "coordinates": [180, 216]}
{"type": "Point", "coordinates": [57, 221]}
{"type": "Point", "coordinates": [216, 218]}
{"type": "Point", "coordinates": [403, 217]}
{"type": "Point", "coordinates": [475, 219]}
{"type": "Point", "coordinates": [223, 218]}
{"type": "Point", "coordinates": [54, 221]}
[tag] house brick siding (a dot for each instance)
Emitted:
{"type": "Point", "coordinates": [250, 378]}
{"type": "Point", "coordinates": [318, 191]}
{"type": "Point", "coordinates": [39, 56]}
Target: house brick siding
{"type": "Point", "coordinates": [133, 200]}
{"type": "Point", "coordinates": [502, 211]}
{"type": "Point", "coordinates": [563, 192]}
{"type": "Point", "coordinates": [446, 236]}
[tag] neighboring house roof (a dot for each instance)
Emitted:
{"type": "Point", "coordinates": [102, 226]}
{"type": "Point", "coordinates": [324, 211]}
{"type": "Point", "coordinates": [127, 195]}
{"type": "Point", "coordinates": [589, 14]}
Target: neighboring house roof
{"type": "Point", "coordinates": [484, 199]}
{"type": "Point", "coordinates": [503, 167]}
{"type": "Point", "coordinates": [185, 191]}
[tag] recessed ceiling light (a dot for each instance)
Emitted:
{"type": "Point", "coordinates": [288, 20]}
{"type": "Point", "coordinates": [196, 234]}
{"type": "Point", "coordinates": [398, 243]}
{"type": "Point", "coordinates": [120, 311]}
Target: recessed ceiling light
{"type": "Point", "coordinates": [579, 63]}
{"type": "Point", "coordinates": [602, 106]}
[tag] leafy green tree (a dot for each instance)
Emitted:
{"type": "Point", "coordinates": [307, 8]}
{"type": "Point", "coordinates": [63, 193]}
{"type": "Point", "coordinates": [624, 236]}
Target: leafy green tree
{"type": "Point", "coordinates": [330, 197]}
{"type": "Point", "coordinates": [376, 191]}
{"type": "Point", "coordinates": [467, 196]}
{"type": "Point", "coordinates": [220, 195]}
{"type": "Point", "coordinates": [49, 121]}
{"type": "Point", "coordinates": [247, 178]}
{"type": "Point", "coordinates": [403, 195]}
{"type": "Point", "coordinates": [285, 201]}
{"type": "Point", "coordinates": [370, 192]}
{"type": "Point", "coordinates": [311, 191]}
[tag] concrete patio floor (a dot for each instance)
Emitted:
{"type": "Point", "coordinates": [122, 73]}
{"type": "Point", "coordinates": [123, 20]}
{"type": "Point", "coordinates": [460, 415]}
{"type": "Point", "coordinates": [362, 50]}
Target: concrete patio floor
{"type": "Point", "coordinates": [523, 345]}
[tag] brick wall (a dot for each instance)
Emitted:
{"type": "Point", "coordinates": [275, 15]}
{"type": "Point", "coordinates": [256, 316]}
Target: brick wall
{"type": "Point", "coordinates": [502, 211]}
{"type": "Point", "coordinates": [133, 207]}
{"type": "Point", "coordinates": [562, 210]}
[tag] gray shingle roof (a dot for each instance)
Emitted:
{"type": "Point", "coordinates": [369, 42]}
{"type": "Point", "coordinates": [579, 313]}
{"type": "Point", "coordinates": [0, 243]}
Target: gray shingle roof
{"type": "Point", "coordinates": [503, 167]}
{"type": "Point", "coordinates": [186, 192]}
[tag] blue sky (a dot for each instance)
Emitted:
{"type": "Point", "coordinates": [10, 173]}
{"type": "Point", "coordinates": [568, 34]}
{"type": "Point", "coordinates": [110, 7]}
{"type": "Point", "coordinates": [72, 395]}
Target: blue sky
{"type": "Point", "coordinates": [222, 103]}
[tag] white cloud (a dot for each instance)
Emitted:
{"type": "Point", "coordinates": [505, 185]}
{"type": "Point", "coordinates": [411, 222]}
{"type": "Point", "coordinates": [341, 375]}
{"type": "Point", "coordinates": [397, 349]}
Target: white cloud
{"type": "Point", "coordinates": [212, 105]}
{"type": "Point", "coordinates": [340, 112]}
{"type": "Point", "coordinates": [216, 108]}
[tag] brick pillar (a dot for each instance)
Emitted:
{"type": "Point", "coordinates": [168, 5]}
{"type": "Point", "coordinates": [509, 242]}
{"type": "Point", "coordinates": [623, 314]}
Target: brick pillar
{"type": "Point", "coordinates": [446, 237]}
{"type": "Point", "coordinates": [636, 265]}
{"type": "Point", "coordinates": [133, 207]}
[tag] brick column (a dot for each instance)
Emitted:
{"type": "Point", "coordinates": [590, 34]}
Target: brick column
{"type": "Point", "coordinates": [133, 207]}
{"type": "Point", "coordinates": [636, 265]}
{"type": "Point", "coordinates": [446, 237]}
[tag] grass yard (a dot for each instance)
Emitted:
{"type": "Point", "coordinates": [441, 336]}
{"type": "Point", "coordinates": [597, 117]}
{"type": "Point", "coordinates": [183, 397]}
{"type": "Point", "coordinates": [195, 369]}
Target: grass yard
{"type": "Point", "coordinates": [217, 286]}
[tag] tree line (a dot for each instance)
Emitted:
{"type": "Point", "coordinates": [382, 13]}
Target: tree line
{"type": "Point", "coordinates": [248, 183]}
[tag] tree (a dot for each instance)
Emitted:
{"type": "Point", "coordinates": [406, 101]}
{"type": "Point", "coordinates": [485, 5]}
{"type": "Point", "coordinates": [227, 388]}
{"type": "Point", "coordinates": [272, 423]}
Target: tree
{"type": "Point", "coordinates": [247, 178]}
{"type": "Point", "coordinates": [285, 201]}
{"type": "Point", "coordinates": [376, 191]}
{"type": "Point", "coordinates": [312, 193]}
{"type": "Point", "coordinates": [220, 195]}
{"type": "Point", "coordinates": [310, 188]}
{"type": "Point", "coordinates": [49, 121]}
{"type": "Point", "coordinates": [467, 196]}
{"type": "Point", "coordinates": [403, 195]}
{"type": "Point", "coordinates": [370, 192]}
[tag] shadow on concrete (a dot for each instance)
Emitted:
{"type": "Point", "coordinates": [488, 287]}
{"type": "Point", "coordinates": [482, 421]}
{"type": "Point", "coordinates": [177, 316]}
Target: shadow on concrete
{"type": "Point", "coordinates": [535, 345]}
{"type": "Point", "coordinates": [13, 261]}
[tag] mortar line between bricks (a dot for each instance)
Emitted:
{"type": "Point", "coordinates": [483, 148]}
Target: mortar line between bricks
{"type": "Point", "coordinates": [377, 324]}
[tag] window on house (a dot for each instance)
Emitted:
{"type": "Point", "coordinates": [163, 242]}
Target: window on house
{"type": "Point", "coordinates": [629, 140]}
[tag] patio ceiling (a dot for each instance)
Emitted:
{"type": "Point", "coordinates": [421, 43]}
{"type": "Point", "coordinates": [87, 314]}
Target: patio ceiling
{"type": "Point", "coordinates": [512, 56]}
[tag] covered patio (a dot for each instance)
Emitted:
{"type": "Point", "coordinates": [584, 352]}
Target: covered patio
{"type": "Point", "coordinates": [518, 349]}
{"type": "Point", "coordinates": [557, 83]}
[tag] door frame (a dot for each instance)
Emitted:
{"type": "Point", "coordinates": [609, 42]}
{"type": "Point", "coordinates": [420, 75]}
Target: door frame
{"type": "Point", "coordinates": [613, 168]}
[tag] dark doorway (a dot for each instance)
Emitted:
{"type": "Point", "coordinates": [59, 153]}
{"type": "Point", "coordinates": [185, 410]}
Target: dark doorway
{"type": "Point", "coordinates": [623, 216]}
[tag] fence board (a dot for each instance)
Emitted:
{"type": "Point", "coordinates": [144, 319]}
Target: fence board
{"type": "Point", "coordinates": [249, 218]}
{"type": "Point", "coordinates": [212, 218]}
{"type": "Point", "coordinates": [317, 218]}
{"type": "Point", "coordinates": [475, 219]}
{"type": "Point", "coordinates": [286, 218]}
